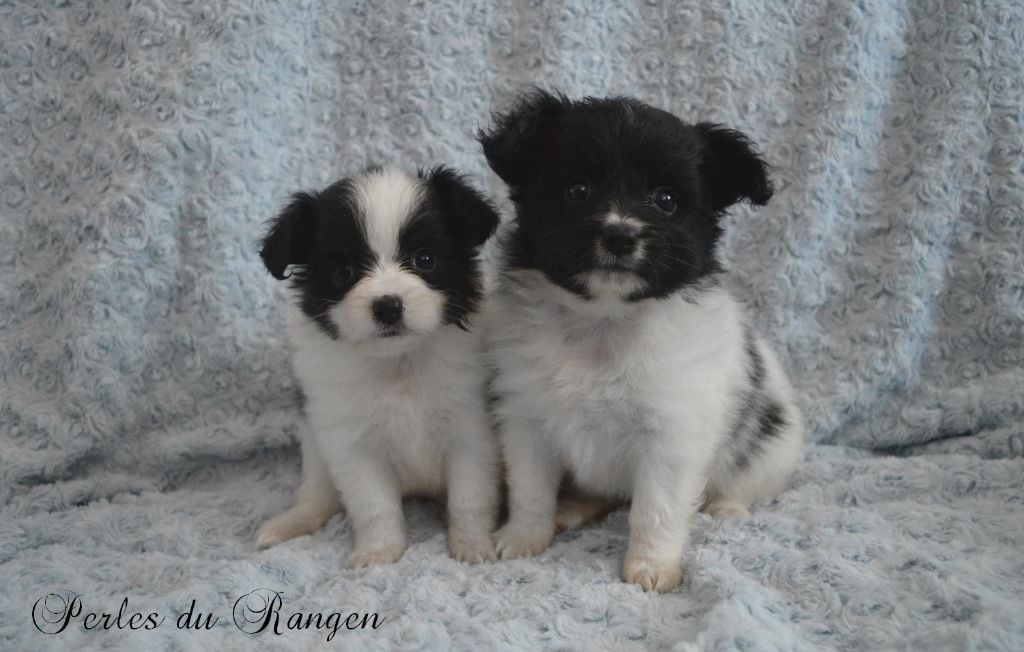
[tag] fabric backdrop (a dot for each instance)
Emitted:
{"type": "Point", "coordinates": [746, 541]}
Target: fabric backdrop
{"type": "Point", "coordinates": [146, 406]}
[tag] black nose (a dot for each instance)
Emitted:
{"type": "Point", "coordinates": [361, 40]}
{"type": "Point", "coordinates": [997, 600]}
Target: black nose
{"type": "Point", "coordinates": [619, 239]}
{"type": "Point", "coordinates": [387, 309]}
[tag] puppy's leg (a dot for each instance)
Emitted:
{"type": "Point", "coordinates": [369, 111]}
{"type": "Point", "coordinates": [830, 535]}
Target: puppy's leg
{"type": "Point", "coordinates": [723, 507]}
{"type": "Point", "coordinates": [373, 500]}
{"type": "Point", "coordinates": [576, 509]}
{"type": "Point", "coordinates": [316, 501]}
{"type": "Point", "coordinates": [534, 474]}
{"type": "Point", "coordinates": [473, 492]}
{"type": "Point", "coordinates": [665, 497]}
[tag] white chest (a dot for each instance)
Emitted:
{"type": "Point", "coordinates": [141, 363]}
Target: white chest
{"type": "Point", "coordinates": [399, 410]}
{"type": "Point", "coordinates": [606, 393]}
{"type": "Point", "coordinates": [588, 396]}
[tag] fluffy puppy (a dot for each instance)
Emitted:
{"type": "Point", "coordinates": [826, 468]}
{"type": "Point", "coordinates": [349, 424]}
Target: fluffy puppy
{"type": "Point", "coordinates": [620, 358]}
{"type": "Point", "coordinates": [385, 280]}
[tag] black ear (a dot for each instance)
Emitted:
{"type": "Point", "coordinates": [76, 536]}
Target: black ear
{"type": "Point", "coordinates": [470, 214]}
{"type": "Point", "coordinates": [732, 167]}
{"type": "Point", "coordinates": [513, 142]}
{"type": "Point", "coordinates": [287, 241]}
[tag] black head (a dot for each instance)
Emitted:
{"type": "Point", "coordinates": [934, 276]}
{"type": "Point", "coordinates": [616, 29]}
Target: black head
{"type": "Point", "coordinates": [615, 196]}
{"type": "Point", "coordinates": [383, 255]}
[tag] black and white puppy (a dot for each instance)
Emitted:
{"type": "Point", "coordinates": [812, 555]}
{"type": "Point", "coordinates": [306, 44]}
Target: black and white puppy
{"type": "Point", "coordinates": [385, 281]}
{"type": "Point", "coordinates": [620, 357]}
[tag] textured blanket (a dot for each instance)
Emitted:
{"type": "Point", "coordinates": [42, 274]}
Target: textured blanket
{"type": "Point", "coordinates": [146, 415]}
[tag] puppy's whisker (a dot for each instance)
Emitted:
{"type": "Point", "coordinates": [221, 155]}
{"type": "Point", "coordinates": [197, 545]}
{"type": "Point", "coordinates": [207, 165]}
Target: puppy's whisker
{"type": "Point", "coordinates": [324, 313]}
{"type": "Point", "coordinates": [652, 268]}
{"type": "Point", "coordinates": [666, 258]}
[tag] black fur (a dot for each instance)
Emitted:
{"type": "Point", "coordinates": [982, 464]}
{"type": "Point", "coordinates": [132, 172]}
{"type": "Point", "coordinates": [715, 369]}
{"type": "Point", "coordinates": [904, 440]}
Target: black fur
{"type": "Point", "coordinates": [757, 370]}
{"type": "Point", "coordinates": [626, 150]}
{"type": "Point", "coordinates": [319, 236]}
{"type": "Point", "coordinates": [470, 216]}
{"type": "Point", "coordinates": [770, 421]}
{"type": "Point", "coordinates": [286, 243]}
{"type": "Point", "coordinates": [760, 417]}
{"type": "Point", "coordinates": [731, 168]}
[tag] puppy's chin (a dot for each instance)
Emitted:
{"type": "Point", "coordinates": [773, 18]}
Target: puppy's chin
{"type": "Point", "coordinates": [384, 345]}
{"type": "Point", "coordinates": [608, 286]}
{"type": "Point", "coordinates": [358, 330]}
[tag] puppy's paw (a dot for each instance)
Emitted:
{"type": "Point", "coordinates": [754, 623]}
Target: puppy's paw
{"type": "Point", "coordinates": [516, 541]}
{"type": "Point", "coordinates": [298, 521]}
{"type": "Point", "coordinates": [576, 511]}
{"type": "Point", "coordinates": [661, 575]}
{"type": "Point", "coordinates": [725, 507]}
{"type": "Point", "coordinates": [471, 548]}
{"type": "Point", "coordinates": [375, 555]}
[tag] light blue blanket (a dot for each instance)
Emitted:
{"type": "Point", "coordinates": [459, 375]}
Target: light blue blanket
{"type": "Point", "coordinates": [146, 410]}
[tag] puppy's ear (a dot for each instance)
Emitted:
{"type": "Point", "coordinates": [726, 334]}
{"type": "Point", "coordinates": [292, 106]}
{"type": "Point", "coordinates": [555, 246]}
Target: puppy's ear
{"type": "Point", "coordinates": [515, 140]}
{"type": "Point", "coordinates": [287, 241]}
{"type": "Point", "coordinates": [732, 168]}
{"type": "Point", "coordinates": [472, 217]}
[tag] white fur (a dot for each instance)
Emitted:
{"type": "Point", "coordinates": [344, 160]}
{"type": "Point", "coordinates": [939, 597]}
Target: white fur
{"type": "Point", "coordinates": [388, 194]}
{"type": "Point", "coordinates": [395, 416]}
{"type": "Point", "coordinates": [423, 308]}
{"type": "Point", "coordinates": [635, 400]}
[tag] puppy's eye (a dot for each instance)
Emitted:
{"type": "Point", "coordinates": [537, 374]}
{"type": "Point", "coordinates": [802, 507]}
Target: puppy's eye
{"type": "Point", "coordinates": [424, 260]}
{"type": "Point", "coordinates": [342, 274]}
{"type": "Point", "coordinates": [665, 200]}
{"type": "Point", "coordinates": [577, 190]}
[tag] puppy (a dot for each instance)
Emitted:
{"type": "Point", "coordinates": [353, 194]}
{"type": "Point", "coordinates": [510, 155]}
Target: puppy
{"type": "Point", "coordinates": [619, 355]}
{"type": "Point", "coordinates": [385, 282]}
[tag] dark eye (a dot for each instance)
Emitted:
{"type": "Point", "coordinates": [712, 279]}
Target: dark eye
{"type": "Point", "coordinates": [577, 190]}
{"type": "Point", "coordinates": [424, 260]}
{"type": "Point", "coordinates": [665, 200]}
{"type": "Point", "coordinates": [341, 275]}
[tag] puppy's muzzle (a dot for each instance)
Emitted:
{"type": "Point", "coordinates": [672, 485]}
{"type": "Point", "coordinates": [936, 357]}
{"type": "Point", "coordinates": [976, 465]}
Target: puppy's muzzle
{"type": "Point", "coordinates": [620, 239]}
{"type": "Point", "coordinates": [388, 310]}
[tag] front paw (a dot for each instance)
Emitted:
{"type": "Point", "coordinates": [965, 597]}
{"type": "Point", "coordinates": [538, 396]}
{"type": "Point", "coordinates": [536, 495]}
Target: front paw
{"type": "Point", "coordinates": [375, 555]}
{"type": "Point", "coordinates": [470, 548]}
{"type": "Point", "coordinates": [659, 575]}
{"type": "Point", "coordinates": [516, 541]}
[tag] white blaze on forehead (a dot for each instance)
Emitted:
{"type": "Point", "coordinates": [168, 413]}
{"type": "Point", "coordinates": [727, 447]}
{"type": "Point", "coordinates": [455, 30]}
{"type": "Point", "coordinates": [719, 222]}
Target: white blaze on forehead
{"type": "Point", "coordinates": [386, 199]}
{"type": "Point", "coordinates": [613, 217]}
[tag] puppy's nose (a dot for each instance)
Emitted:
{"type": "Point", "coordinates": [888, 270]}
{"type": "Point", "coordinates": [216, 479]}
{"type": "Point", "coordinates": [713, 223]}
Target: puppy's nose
{"type": "Point", "coordinates": [619, 239]}
{"type": "Point", "coordinates": [387, 309]}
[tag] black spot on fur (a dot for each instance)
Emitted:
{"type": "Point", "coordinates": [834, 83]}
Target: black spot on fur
{"type": "Point", "coordinates": [491, 395]}
{"type": "Point", "coordinates": [770, 422]}
{"type": "Point", "coordinates": [740, 443]}
{"type": "Point", "coordinates": [757, 370]}
{"type": "Point", "coordinates": [759, 417]}
{"type": "Point", "coordinates": [741, 460]}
